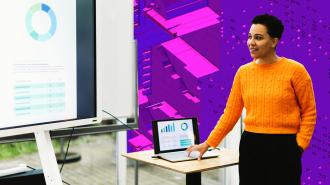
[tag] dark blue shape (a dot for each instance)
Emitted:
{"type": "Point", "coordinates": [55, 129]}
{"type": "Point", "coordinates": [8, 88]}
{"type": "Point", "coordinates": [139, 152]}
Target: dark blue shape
{"type": "Point", "coordinates": [45, 8]}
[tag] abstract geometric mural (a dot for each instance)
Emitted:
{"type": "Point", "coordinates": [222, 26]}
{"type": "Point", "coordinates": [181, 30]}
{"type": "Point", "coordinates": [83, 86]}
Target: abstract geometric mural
{"type": "Point", "coordinates": [190, 50]}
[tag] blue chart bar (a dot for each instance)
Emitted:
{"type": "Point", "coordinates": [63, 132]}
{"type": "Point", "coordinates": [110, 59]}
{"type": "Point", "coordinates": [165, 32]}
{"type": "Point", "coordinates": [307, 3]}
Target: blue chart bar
{"type": "Point", "coordinates": [168, 128]}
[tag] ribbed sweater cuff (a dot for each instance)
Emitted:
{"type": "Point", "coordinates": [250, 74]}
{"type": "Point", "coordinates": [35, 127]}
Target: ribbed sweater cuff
{"type": "Point", "coordinates": [214, 139]}
{"type": "Point", "coordinates": [303, 143]}
{"type": "Point", "coordinates": [211, 144]}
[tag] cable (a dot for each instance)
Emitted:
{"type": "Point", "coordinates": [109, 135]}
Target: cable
{"type": "Point", "coordinates": [66, 153]}
{"type": "Point", "coordinates": [138, 148]}
{"type": "Point", "coordinates": [130, 128]}
{"type": "Point", "coordinates": [67, 149]}
{"type": "Point", "coordinates": [65, 182]}
{"type": "Point", "coordinates": [30, 167]}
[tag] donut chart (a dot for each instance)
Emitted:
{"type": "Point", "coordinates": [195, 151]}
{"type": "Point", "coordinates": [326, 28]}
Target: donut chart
{"type": "Point", "coordinates": [32, 32]}
{"type": "Point", "coordinates": [184, 126]}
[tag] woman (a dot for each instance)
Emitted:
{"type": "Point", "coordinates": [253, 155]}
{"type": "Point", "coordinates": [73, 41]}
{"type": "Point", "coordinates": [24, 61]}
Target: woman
{"type": "Point", "coordinates": [278, 96]}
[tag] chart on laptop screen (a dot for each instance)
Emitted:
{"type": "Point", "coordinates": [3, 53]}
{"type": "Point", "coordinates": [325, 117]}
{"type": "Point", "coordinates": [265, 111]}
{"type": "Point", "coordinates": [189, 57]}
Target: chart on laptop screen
{"type": "Point", "coordinates": [175, 134]}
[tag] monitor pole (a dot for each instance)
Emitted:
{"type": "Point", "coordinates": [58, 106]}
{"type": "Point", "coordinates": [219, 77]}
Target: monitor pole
{"type": "Point", "coordinates": [47, 157]}
{"type": "Point", "coordinates": [121, 147]}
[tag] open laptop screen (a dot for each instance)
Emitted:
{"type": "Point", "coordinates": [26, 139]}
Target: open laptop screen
{"type": "Point", "coordinates": [175, 134]}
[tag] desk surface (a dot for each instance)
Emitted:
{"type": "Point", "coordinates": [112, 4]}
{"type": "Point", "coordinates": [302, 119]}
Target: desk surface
{"type": "Point", "coordinates": [226, 158]}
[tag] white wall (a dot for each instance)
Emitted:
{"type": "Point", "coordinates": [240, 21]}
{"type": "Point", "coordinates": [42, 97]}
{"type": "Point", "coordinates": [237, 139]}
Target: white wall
{"type": "Point", "coordinates": [116, 57]}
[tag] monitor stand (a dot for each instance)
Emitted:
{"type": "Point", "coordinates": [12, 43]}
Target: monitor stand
{"type": "Point", "coordinates": [47, 158]}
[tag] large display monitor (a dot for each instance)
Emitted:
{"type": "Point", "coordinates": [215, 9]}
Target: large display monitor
{"type": "Point", "coordinates": [48, 65]}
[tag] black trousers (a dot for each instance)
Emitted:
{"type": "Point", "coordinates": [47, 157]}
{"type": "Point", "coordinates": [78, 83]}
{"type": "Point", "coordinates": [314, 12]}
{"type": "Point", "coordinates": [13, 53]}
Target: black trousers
{"type": "Point", "coordinates": [269, 159]}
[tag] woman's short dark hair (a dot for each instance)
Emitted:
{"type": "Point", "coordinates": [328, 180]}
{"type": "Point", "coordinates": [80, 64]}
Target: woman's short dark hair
{"type": "Point", "coordinates": [273, 24]}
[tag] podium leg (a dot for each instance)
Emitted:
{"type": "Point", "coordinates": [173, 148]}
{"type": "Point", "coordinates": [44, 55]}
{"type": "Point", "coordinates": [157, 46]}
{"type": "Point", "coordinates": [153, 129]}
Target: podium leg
{"type": "Point", "coordinates": [136, 178]}
{"type": "Point", "coordinates": [194, 178]}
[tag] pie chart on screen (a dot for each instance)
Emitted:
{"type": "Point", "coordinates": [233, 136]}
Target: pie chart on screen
{"type": "Point", "coordinates": [184, 126]}
{"type": "Point", "coordinates": [34, 11]}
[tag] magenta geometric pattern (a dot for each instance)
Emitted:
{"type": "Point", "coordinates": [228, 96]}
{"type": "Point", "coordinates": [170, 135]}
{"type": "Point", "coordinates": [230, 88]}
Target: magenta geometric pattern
{"type": "Point", "coordinates": [190, 50]}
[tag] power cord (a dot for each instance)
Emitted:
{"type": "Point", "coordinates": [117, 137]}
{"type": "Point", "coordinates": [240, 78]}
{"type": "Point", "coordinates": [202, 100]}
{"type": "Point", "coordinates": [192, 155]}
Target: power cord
{"type": "Point", "coordinates": [65, 182]}
{"type": "Point", "coordinates": [67, 149]}
{"type": "Point", "coordinates": [30, 167]}
{"type": "Point", "coordinates": [138, 148]}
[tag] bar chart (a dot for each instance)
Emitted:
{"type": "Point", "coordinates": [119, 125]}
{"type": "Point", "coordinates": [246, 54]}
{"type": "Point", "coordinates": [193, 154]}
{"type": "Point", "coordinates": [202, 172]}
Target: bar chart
{"type": "Point", "coordinates": [168, 128]}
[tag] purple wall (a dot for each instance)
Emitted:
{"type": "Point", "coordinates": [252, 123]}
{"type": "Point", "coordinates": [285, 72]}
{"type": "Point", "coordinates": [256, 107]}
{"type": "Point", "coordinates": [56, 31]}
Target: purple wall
{"type": "Point", "coordinates": [189, 51]}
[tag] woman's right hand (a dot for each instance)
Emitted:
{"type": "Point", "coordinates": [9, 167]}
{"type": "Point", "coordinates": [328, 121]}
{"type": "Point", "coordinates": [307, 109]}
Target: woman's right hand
{"type": "Point", "coordinates": [201, 148]}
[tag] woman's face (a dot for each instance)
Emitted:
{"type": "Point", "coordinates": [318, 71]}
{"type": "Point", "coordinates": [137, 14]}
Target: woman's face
{"type": "Point", "coordinates": [259, 42]}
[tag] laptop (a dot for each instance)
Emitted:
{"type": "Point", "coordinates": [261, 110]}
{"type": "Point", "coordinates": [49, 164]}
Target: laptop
{"type": "Point", "coordinates": [173, 136]}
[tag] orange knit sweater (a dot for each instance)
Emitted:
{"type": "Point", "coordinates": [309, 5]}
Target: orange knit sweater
{"type": "Point", "coordinates": [278, 98]}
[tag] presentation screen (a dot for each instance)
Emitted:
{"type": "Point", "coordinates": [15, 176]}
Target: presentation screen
{"type": "Point", "coordinates": [48, 62]}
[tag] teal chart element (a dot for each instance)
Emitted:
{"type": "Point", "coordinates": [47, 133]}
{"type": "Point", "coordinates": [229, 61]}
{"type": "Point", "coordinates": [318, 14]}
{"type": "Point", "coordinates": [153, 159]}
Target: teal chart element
{"type": "Point", "coordinates": [185, 142]}
{"type": "Point", "coordinates": [35, 35]}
